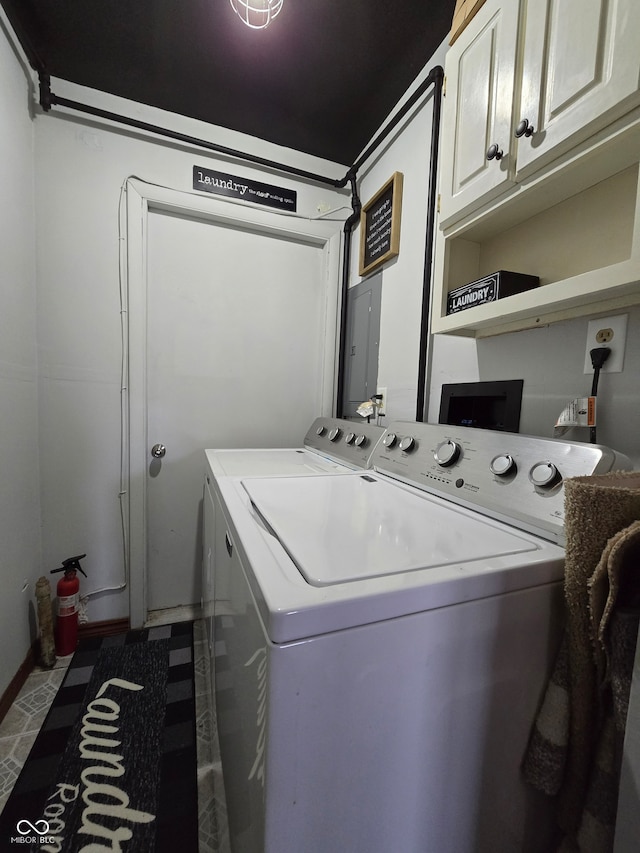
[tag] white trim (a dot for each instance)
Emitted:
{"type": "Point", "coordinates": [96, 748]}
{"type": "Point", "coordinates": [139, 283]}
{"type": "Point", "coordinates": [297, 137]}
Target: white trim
{"type": "Point", "coordinates": [142, 198]}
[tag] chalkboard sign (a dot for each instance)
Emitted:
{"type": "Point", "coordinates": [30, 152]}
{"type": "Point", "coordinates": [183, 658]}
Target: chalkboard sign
{"type": "Point", "coordinates": [380, 225]}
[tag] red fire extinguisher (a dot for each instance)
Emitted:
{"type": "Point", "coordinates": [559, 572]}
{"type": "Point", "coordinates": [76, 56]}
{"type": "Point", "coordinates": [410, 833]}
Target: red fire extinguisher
{"type": "Point", "coordinates": [66, 630]}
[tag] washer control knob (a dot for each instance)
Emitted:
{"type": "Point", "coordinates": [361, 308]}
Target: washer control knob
{"type": "Point", "coordinates": [350, 437]}
{"type": "Point", "coordinates": [407, 444]}
{"type": "Point", "coordinates": [545, 475]}
{"type": "Point", "coordinates": [361, 441]}
{"type": "Point", "coordinates": [335, 434]}
{"type": "Point", "coordinates": [503, 465]}
{"type": "Point", "coordinates": [321, 430]}
{"type": "Point", "coordinates": [447, 452]}
{"type": "Point", "coordinates": [390, 439]}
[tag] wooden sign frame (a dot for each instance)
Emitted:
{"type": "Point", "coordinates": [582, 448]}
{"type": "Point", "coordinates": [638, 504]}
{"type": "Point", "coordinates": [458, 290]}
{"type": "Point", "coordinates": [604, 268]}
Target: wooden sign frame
{"type": "Point", "coordinates": [380, 225]}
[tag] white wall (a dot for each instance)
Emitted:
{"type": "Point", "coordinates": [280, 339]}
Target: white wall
{"type": "Point", "coordinates": [80, 169]}
{"type": "Point", "coordinates": [19, 513]}
{"type": "Point", "coordinates": [551, 362]}
{"type": "Point", "coordinates": [407, 150]}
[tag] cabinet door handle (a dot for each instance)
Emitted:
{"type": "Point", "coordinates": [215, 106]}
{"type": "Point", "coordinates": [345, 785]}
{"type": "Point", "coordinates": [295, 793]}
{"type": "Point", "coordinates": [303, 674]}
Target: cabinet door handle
{"type": "Point", "coordinates": [524, 128]}
{"type": "Point", "coordinates": [228, 543]}
{"type": "Point", "coordinates": [494, 152]}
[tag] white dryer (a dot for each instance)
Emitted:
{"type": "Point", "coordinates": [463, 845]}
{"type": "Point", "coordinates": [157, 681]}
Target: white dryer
{"type": "Point", "coordinates": [383, 640]}
{"type": "Point", "coordinates": [331, 446]}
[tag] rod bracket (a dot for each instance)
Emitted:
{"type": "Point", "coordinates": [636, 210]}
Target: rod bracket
{"type": "Point", "coordinates": [46, 99]}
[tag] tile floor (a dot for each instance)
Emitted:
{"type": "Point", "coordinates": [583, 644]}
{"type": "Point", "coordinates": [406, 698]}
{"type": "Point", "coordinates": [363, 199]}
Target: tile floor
{"type": "Point", "coordinates": [19, 728]}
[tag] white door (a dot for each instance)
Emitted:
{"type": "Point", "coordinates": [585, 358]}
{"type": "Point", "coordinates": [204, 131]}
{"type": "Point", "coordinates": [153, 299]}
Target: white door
{"type": "Point", "coordinates": [234, 346]}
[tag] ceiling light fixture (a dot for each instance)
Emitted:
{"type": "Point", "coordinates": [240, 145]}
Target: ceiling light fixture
{"type": "Point", "coordinates": [256, 14]}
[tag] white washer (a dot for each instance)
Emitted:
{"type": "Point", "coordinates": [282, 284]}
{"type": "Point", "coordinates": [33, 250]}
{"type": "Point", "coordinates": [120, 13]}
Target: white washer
{"type": "Point", "coordinates": [383, 640]}
{"type": "Point", "coordinates": [331, 446]}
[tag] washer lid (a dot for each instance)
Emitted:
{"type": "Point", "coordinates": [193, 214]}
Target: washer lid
{"type": "Point", "coordinates": [357, 526]}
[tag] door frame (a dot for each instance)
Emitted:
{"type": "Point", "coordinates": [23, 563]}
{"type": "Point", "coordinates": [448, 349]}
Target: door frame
{"type": "Point", "coordinates": [143, 198]}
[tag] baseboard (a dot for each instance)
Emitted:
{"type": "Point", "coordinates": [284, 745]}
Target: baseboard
{"type": "Point", "coordinates": [91, 629]}
{"type": "Point", "coordinates": [103, 629]}
{"type": "Point", "coordinates": [15, 685]}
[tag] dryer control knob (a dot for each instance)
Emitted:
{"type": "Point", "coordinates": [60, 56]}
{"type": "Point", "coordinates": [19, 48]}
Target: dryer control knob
{"type": "Point", "coordinates": [447, 452]}
{"type": "Point", "coordinates": [390, 439]}
{"type": "Point", "coordinates": [503, 465]}
{"type": "Point", "coordinates": [350, 437]}
{"type": "Point", "coordinates": [335, 434]}
{"type": "Point", "coordinates": [408, 444]}
{"type": "Point", "coordinates": [362, 441]}
{"type": "Point", "coordinates": [545, 475]}
{"type": "Point", "coordinates": [321, 430]}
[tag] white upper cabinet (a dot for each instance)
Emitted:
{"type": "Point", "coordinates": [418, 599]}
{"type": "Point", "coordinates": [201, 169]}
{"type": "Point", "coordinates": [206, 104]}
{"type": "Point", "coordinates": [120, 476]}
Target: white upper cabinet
{"type": "Point", "coordinates": [581, 69]}
{"type": "Point", "coordinates": [521, 92]}
{"type": "Point", "coordinates": [478, 107]}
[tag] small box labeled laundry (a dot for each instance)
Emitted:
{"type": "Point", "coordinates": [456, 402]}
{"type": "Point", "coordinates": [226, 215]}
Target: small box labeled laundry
{"type": "Point", "coordinates": [488, 289]}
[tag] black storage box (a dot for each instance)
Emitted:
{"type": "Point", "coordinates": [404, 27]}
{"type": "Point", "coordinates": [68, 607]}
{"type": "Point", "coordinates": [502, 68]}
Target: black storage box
{"type": "Point", "coordinates": [488, 289]}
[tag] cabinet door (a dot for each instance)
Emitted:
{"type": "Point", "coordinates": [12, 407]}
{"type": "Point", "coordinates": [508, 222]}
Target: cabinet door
{"type": "Point", "coordinates": [477, 111]}
{"type": "Point", "coordinates": [581, 70]}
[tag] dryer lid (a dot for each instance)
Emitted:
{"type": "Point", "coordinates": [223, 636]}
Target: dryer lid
{"type": "Point", "coordinates": [260, 462]}
{"type": "Point", "coordinates": [352, 527]}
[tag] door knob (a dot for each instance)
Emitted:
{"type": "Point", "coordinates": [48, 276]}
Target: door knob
{"type": "Point", "coordinates": [524, 128]}
{"type": "Point", "coordinates": [158, 451]}
{"type": "Point", "coordinates": [494, 152]}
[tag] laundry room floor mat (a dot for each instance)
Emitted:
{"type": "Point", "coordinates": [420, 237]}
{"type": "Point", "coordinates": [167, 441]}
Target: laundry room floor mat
{"type": "Point", "coordinates": [114, 766]}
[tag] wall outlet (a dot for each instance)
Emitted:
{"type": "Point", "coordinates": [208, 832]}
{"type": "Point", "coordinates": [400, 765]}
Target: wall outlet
{"type": "Point", "coordinates": [607, 332]}
{"type": "Point", "coordinates": [382, 409]}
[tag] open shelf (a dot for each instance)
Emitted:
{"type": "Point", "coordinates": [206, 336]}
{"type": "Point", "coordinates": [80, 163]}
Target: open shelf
{"type": "Point", "coordinates": [578, 230]}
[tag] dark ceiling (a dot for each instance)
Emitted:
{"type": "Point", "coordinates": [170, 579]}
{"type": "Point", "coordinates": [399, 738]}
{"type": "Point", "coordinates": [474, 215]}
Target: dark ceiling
{"type": "Point", "coordinates": [320, 79]}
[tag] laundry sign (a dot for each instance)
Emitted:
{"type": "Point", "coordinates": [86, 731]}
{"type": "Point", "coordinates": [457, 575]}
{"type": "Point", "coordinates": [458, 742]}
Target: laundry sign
{"type": "Point", "coordinates": [231, 186]}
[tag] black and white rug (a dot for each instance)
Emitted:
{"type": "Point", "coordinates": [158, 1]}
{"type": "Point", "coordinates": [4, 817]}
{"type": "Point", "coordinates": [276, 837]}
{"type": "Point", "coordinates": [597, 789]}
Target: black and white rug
{"type": "Point", "coordinates": [114, 766]}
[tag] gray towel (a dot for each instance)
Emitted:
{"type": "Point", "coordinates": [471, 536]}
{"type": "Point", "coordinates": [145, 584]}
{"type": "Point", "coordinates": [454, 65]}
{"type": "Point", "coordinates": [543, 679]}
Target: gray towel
{"type": "Point", "coordinates": [614, 595]}
{"type": "Point", "coordinates": [565, 738]}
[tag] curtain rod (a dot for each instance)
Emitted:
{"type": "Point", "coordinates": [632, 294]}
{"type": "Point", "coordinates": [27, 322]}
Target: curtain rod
{"type": "Point", "coordinates": [49, 99]}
